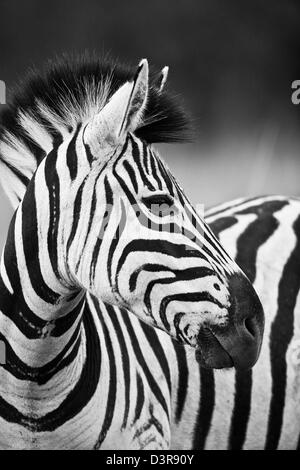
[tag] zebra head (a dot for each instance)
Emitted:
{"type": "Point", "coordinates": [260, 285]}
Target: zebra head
{"type": "Point", "coordinates": [132, 238]}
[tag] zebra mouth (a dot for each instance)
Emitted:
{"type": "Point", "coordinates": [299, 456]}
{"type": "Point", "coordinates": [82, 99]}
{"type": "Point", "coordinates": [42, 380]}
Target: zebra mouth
{"type": "Point", "coordinates": [210, 353]}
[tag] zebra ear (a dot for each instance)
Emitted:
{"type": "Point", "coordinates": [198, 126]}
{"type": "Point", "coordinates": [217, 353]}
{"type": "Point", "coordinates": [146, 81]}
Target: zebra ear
{"type": "Point", "coordinates": [123, 112]}
{"type": "Point", "coordinates": [162, 79]}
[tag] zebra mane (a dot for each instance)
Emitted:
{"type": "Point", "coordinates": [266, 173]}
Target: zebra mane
{"type": "Point", "coordinates": [48, 105]}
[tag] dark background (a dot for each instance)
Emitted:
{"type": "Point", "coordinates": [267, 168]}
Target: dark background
{"type": "Point", "coordinates": [232, 61]}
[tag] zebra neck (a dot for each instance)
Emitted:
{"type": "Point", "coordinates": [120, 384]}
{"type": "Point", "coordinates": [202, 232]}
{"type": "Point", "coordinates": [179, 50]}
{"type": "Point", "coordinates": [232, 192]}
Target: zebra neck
{"type": "Point", "coordinates": [44, 361]}
{"type": "Point", "coordinates": [33, 341]}
{"type": "Point", "coordinates": [40, 316]}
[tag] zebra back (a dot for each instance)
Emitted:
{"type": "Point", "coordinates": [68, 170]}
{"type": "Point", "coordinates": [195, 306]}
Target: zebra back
{"type": "Point", "coordinates": [259, 408]}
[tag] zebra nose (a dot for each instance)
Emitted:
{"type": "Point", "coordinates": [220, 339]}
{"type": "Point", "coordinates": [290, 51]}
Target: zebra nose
{"type": "Point", "coordinates": [242, 339]}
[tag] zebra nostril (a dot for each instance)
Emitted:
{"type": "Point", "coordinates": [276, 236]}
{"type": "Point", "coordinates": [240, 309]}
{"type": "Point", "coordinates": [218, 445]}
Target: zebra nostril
{"type": "Point", "coordinates": [250, 326]}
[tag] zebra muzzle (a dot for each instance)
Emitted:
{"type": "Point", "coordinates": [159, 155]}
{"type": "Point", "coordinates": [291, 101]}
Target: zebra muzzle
{"type": "Point", "coordinates": [242, 337]}
{"type": "Point", "coordinates": [238, 343]}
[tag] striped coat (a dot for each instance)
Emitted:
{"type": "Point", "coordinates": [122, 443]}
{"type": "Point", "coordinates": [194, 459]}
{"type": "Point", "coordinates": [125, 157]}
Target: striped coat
{"type": "Point", "coordinates": [101, 226]}
{"type": "Point", "coordinates": [260, 408]}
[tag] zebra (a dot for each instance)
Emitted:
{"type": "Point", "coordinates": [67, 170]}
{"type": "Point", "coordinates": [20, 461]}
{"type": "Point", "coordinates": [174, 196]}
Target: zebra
{"type": "Point", "coordinates": [258, 408]}
{"type": "Point", "coordinates": [89, 261]}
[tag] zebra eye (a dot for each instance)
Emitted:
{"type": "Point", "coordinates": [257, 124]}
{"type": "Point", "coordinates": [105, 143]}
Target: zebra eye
{"type": "Point", "coordinates": [160, 204]}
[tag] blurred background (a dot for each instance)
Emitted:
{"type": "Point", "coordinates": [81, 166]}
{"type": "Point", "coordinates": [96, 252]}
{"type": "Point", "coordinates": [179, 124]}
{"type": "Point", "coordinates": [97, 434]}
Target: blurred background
{"type": "Point", "coordinates": [232, 62]}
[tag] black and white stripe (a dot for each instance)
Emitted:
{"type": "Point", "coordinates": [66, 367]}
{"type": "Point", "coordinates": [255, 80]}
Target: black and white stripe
{"type": "Point", "coordinates": [84, 245]}
{"type": "Point", "coordinates": [259, 408]}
